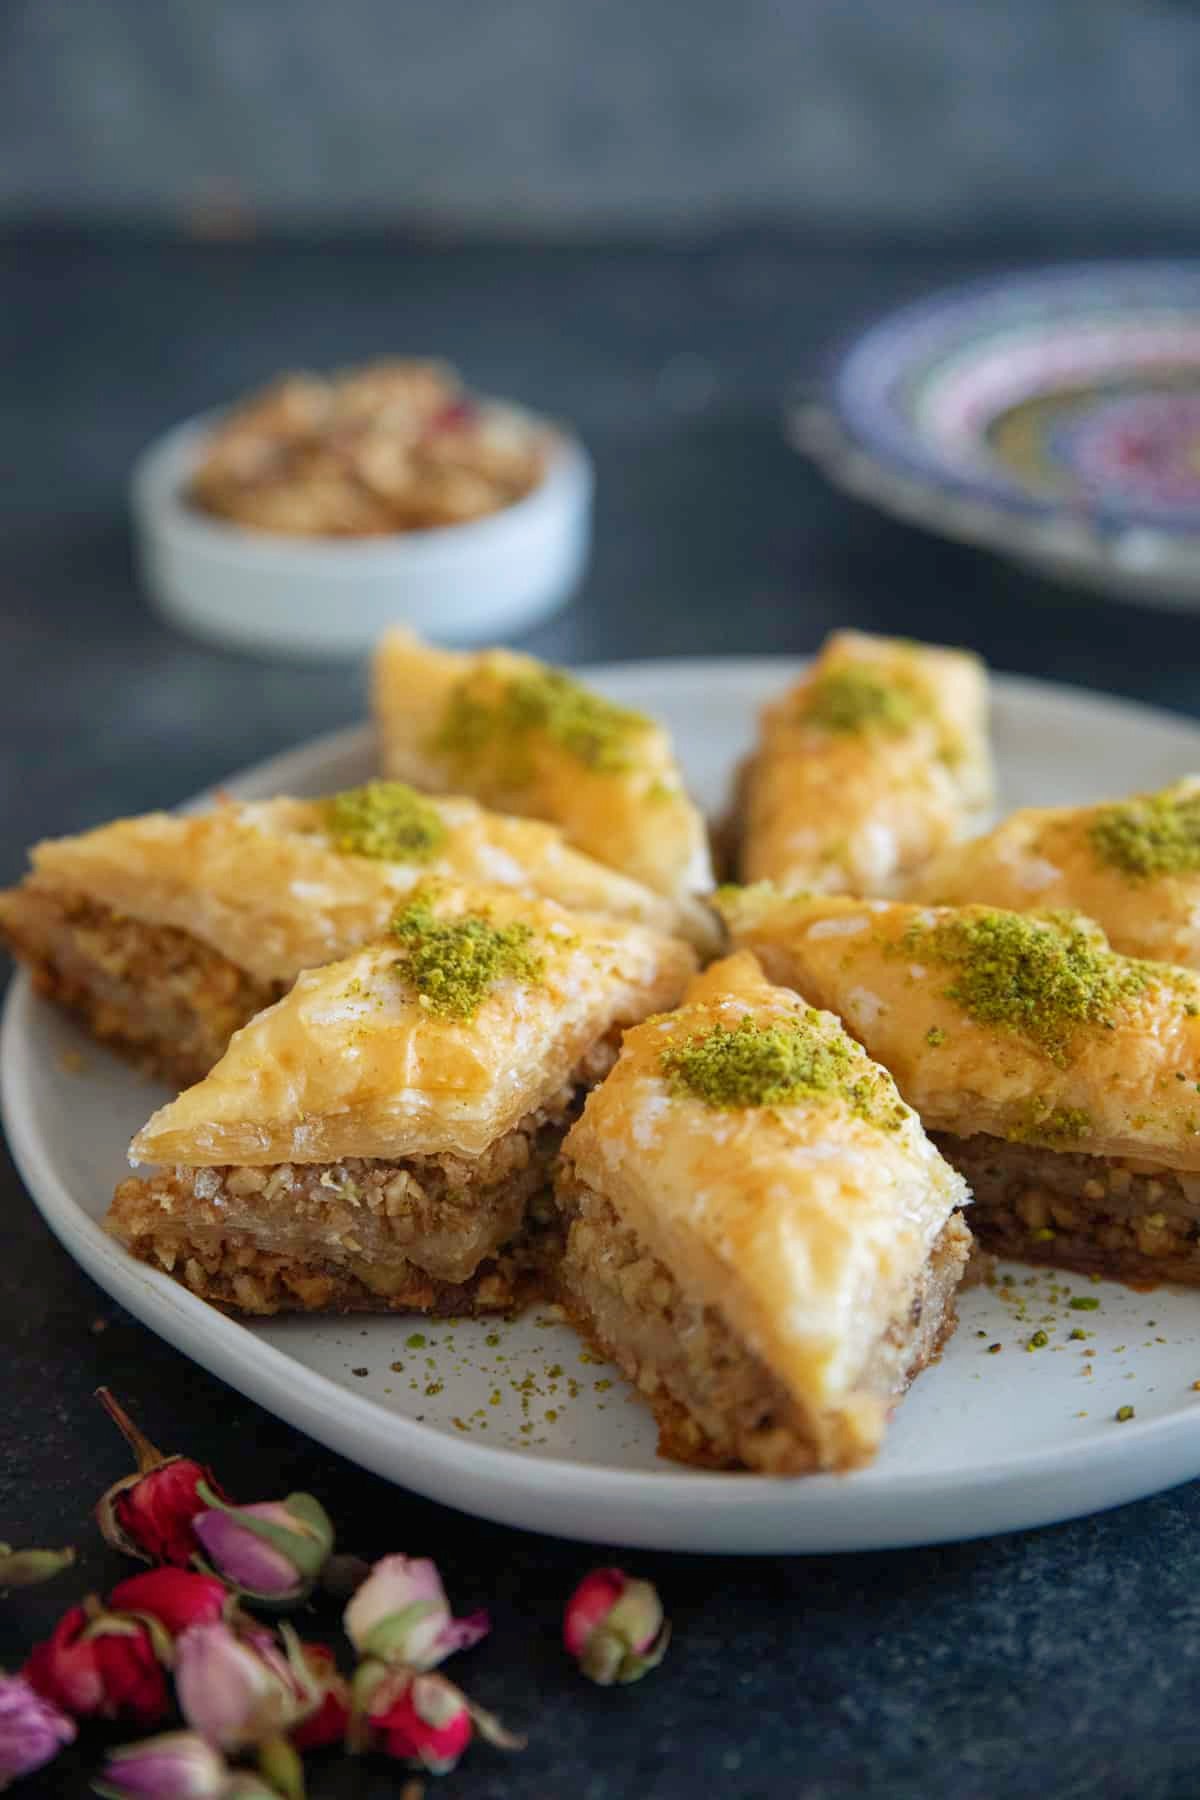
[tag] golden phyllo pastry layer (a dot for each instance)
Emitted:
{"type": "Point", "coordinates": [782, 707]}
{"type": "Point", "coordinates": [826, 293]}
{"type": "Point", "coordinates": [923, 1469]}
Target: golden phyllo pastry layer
{"type": "Point", "coordinates": [389, 1125]}
{"type": "Point", "coordinates": [1132, 865]}
{"type": "Point", "coordinates": [1062, 1077]}
{"type": "Point", "coordinates": [760, 1232]}
{"type": "Point", "coordinates": [874, 761]}
{"type": "Point", "coordinates": [529, 739]}
{"type": "Point", "coordinates": [167, 932]}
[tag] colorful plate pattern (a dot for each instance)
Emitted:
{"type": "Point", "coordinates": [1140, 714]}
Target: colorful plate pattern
{"type": "Point", "coordinates": [1052, 415]}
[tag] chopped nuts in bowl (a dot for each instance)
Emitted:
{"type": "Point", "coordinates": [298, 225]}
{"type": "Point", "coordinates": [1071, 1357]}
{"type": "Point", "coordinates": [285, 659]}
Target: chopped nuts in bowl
{"type": "Point", "coordinates": [323, 509]}
{"type": "Point", "coordinates": [393, 446]}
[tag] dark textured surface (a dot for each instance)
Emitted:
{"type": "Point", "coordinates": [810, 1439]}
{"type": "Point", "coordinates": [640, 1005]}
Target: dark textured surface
{"type": "Point", "coordinates": [1061, 1663]}
{"type": "Point", "coordinates": [565, 115]}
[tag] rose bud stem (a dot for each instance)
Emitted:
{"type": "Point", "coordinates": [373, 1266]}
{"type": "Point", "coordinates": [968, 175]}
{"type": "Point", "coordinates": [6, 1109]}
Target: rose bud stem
{"type": "Point", "coordinates": [149, 1514]}
{"type": "Point", "coordinates": [614, 1627]}
{"type": "Point", "coordinates": [280, 1765]}
{"type": "Point", "coordinates": [25, 1568]}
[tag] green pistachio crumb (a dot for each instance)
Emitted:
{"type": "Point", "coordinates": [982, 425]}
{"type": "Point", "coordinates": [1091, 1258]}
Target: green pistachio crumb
{"type": "Point", "coordinates": [1077, 1334]}
{"type": "Point", "coordinates": [1083, 1303]}
{"type": "Point", "coordinates": [1043, 1234]}
{"type": "Point", "coordinates": [416, 1341]}
{"type": "Point", "coordinates": [1042, 977]}
{"type": "Point", "coordinates": [1123, 1413]}
{"type": "Point", "coordinates": [1155, 834]}
{"type": "Point", "coordinates": [453, 963]}
{"type": "Point", "coordinates": [854, 699]}
{"type": "Point", "coordinates": [1037, 1123]}
{"type": "Point", "coordinates": [385, 819]}
{"type": "Point", "coordinates": [935, 1036]}
{"type": "Point", "coordinates": [754, 1064]}
{"type": "Point", "coordinates": [499, 723]}
{"type": "Point", "coordinates": [1038, 1341]}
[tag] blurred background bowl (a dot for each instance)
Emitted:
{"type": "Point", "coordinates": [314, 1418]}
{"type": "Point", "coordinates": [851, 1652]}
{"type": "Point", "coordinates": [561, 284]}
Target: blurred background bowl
{"type": "Point", "coordinates": [316, 597]}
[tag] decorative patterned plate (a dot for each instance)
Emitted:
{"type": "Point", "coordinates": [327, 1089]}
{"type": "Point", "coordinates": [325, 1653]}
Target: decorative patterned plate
{"type": "Point", "coordinates": [516, 1421]}
{"type": "Point", "coordinates": [1053, 416]}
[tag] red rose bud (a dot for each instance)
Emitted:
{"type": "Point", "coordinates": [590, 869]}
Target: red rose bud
{"type": "Point", "coordinates": [422, 1720]}
{"type": "Point", "coordinates": [25, 1568]}
{"type": "Point", "coordinates": [327, 1725]}
{"type": "Point", "coordinates": [177, 1766]}
{"type": "Point", "coordinates": [401, 1617]}
{"type": "Point", "coordinates": [100, 1664]}
{"type": "Point", "coordinates": [32, 1730]}
{"type": "Point", "coordinates": [614, 1627]}
{"type": "Point", "coordinates": [176, 1598]}
{"type": "Point", "coordinates": [243, 1690]}
{"type": "Point", "coordinates": [149, 1515]}
{"type": "Point", "coordinates": [271, 1552]}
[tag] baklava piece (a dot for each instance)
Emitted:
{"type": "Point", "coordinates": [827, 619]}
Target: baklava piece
{"type": "Point", "coordinates": [165, 933]}
{"type": "Point", "coordinates": [759, 1231]}
{"type": "Point", "coordinates": [1063, 1080]}
{"type": "Point", "coordinates": [529, 739]}
{"type": "Point", "coordinates": [874, 761]}
{"type": "Point", "coordinates": [1132, 865]}
{"type": "Point", "coordinates": [381, 1139]}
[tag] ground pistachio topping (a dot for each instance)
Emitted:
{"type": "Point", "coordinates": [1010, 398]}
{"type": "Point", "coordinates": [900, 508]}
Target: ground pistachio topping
{"type": "Point", "coordinates": [454, 963]}
{"type": "Point", "coordinates": [1044, 977]}
{"type": "Point", "coordinates": [854, 699]}
{"type": "Point", "coordinates": [1039, 1123]}
{"type": "Point", "coordinates": [481, 720]}
{"type": "Point", "coordinates": [385, 819]}
{"type": "Point", "coordinates": [1155, 834]}
{"type": "Point", "coordinates": [754, 1064]}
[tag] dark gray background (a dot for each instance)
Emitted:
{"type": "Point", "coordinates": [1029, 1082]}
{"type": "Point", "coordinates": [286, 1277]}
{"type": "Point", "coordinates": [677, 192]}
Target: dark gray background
{"type": "Point", "coordinates": [532, 115]}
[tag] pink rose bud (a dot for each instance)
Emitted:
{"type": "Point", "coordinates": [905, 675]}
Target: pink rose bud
{"type": "Point", "coordinates": [242, 1690]}
{"type": "Point", "coordinates": [177, 1766]}
{"type": "Point", "coordinates": [25, 1568]}
{"type": "Point", "coordinates": [177, 1598]}
{"type": "Point", "coordinates": [401, 1617]}
{"type": "Point", "coordinates": [32, 1731]}
{"type": "Point", "coordinates": [149, 1514]}
{"type": "Point", "coordinates": [614, 1627]}
{"type": "Point", "coordinates": [271, 1552]}
{"type": "Point", "coordinates": [422, 1720]}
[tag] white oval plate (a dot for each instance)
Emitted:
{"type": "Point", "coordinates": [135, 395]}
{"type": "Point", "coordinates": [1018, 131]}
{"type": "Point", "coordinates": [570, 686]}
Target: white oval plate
{"type": "Point", "coordinates": [513, 1421]}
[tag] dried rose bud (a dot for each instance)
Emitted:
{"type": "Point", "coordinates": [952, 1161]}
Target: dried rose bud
{"type": "Point", "coordinates": [327, 1725]}
{"type": "Point", "coordinates": [241, 1690]}
{"type": "Point", "coordinates": [400, 1616]}
{"type": "Point", "coordinates": [102, 1664]}
{"type": "Point", "coordinates": [271, 1552]}
{"type": "Point", "coordinates": [176, 1598]}
{"type": "Point", "coordinates": [149, 1515]}
{"type": "Point", "coordinates": [177, 1766]}
{"type": "Point", "coordinates": [32, 1729]}
{"type": "Point", "coordinates": [25, 1568]}
{"type": "Point", "coordinates": [422, 1720]}
{"type": "Point", "coordinates": [614, 1627]}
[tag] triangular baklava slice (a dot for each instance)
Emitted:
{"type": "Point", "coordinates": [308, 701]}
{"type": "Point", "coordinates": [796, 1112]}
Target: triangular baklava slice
{"type": "Point", "coordinates": [530, 739]}
{"type": "Point", "coordinates": [167, 932]}
{"type": "Point", "coordinates": [1063, 1080]}
{"type": "Point", "coordinates": [760, 1233]}
{"type": "Point", "coordinates": [1132, 865]}
{"type": "Point", "coordinates": [874, 761]}
{"type": "Point", "coordinates": [381, 1138]}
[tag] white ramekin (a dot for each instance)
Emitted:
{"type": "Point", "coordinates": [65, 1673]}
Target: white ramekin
{"type": "Point", "coordinates": [263, 591]}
